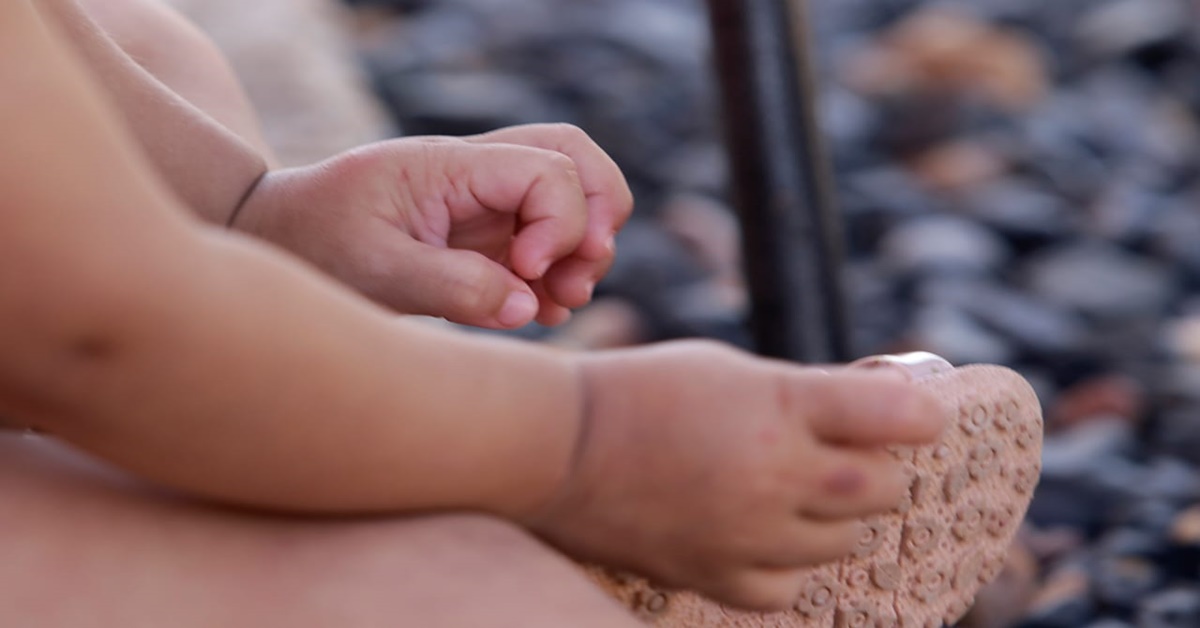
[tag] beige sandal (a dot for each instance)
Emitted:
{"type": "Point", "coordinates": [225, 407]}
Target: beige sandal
{"type": "Point", "coordinates": [922, 564]}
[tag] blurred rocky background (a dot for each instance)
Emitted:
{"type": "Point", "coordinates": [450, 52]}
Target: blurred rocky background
{"type": "Point", "coordinates": [1019, 181]}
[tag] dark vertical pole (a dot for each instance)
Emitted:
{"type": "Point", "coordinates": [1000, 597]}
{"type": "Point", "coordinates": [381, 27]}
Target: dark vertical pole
{"type": "Point", "coordinates": [791, 232]}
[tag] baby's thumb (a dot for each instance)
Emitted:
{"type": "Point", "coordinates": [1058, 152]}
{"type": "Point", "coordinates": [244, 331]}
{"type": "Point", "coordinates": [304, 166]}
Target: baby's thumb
{"type": "Point", "coordinates": [460, 286]}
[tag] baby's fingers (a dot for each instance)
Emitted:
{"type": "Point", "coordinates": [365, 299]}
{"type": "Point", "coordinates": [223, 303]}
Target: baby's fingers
{"type": "Point", "coordinates": [572, 281]}
{"type": "Point", "coordinates": [543, 189]}
{"type": "Point", "coordinates": [461, 286]}
{"type": "Point", "coordinates": [550, 312]}
{"type": "Point", "coordinates": [609, 200]}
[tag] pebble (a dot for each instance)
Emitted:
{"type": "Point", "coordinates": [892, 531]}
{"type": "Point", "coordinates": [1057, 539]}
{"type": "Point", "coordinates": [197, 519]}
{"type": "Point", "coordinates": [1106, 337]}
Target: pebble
{"type": "Point", "coordinates": [1064, 600]}
{"type": "Point", "coordinates": [949, 49]}
{"type": "Point", "coordinates": [1102, 281]}
{"type": "Point", "coordinates": [1099, 397]}
{"type": "Point", "coordinates": [1033, 325]}
{"type": "Point", "coordinates": [1087, 475]}
{"type": "Point", "coordinates": [1121, 583]}
{"type": "Point", "coordinates": [1176, 608]}
{"type": "Point", "coordinates": [709, 230]}
{"type": "Point", "coordinates": [958, 165]}
{"type": "Point", "coordinates": [1020, 211]}
{"type": "Point", "coordinates": [952, 334]}
{"type": "Point", "coordinates": [466, 103]}
{"type": "Point", "coordinates": [944, 244]}
{"type": "Point", "coordinates": [1124, 26]}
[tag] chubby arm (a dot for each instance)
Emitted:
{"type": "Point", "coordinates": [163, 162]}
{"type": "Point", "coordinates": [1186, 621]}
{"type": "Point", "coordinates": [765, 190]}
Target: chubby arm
{"type": "Point", "coordinates": [199, 359]}
{"type": "Point", "coordinates": [405, 222]}
{"type": "Point", "coordinates": [184, 59]}
{"type": "Point", "coordinates": [207, 164]}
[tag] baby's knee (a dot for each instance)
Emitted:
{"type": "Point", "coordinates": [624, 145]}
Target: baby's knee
{"type": "Point", "coordinates": [469, 570]}
{"type": "Point", "coordinates": [447, 545]}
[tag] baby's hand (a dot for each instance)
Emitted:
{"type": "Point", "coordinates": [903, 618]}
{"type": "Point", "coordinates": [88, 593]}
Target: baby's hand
{"type": "Point", "coordinates": [705, 468]}
{"type": "Point", "coordinates": [490, 230]}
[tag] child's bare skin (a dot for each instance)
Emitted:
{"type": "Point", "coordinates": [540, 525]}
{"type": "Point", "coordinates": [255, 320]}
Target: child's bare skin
{"type": "Point", "coordinates": [433, 226]}
{"type": "Point", "coordinates": [214, 365]}
{"type": "Point", "coordinates": [727, 474]}
{"type": "Point", "coordinates": [491, 230]}
{"type": "Point", "coordinates": [85, 547]}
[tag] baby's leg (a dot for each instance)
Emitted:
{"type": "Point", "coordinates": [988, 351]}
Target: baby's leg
{"type": "Point", "coordinates": [84, 546]}
{"type": "Point", "coordinates": [183, 58]}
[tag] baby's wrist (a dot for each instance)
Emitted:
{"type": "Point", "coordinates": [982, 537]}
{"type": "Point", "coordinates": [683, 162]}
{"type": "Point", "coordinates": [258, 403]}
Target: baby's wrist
{"type": "Point", "coordinates": [246, 198]}
{"type": "Point", "coordinates": [259, 202]}
{"type": "Point", "coordinates": [587, 388]}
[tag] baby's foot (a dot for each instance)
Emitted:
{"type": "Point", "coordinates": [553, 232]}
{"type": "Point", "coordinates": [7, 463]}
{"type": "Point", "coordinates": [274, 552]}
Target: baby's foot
{"type": "Point", "coordinates": [922, 564]}
{"type": "Point", "coordinates": [715, 471]}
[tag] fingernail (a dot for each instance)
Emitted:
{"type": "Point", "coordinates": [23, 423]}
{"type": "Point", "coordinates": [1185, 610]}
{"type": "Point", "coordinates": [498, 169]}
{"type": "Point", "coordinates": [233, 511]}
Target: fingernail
{"type": "Point", "coordinates": [542, 268]}
{"type": "Point", "coordinates": [518, 309]}
{"type": "Point", "coordinates": [591, 289]}
{"type": "Point", "coordinates": [611, 244]}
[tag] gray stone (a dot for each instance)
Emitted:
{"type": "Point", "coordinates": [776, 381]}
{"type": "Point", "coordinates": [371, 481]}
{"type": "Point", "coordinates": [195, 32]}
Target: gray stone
{"type": "Point", "coordinates": [460, 103]}
{"type": "Point", "coordinates": [1177, 433]}
{"type": "Point", "coordinates": [1079, 451]}
{"type": "Point", "coordinates": [673, 36]}
{"type": "Point", "coordinates": [1177, 234]}
{"type": "Point", "coordinates": [1176, 608]}
{"type": "Point", "coordinates": [1123, 581]}
{"type": "Point", "coordinates": [886, 190]}
{"type": "Point", "coordinates": [1170, 479]}
{"type": "Point", "coordinates": [1121, 26]}
{"type": "Point", "coordinates": [952, 334]}
{"type": "Point", "coordinates": [944, 244]}
{"type": "Point", "coordinates": [1034, 324]}
{"type": "Point", "coordinates": [1102, 281]}
{"type": "Point", "coordinates": [1020, 209]}
{"type": "Point", "coordinates": [1126, 211]}
{"type": "Point", "coordinates": [847, 118]}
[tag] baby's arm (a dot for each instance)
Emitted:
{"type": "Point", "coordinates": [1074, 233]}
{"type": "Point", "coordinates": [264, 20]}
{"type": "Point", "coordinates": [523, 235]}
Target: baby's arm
{"type": "Point", "coordinates": [173, 50]}
{"type": "Point", "coordinates": [384, 219]}
{"type": "Point", "coordinates": [201, 360]}
{"type": "Point", "coordinates": [207, 164]}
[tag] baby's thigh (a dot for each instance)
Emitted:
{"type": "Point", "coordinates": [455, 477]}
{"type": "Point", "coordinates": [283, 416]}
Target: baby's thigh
{"type": "Point", "coordinates": [83, 546]}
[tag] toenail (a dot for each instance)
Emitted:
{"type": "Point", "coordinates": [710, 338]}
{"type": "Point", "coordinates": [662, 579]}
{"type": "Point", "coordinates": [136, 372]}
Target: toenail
{"type": "Point", "coordinates": [917, 365]}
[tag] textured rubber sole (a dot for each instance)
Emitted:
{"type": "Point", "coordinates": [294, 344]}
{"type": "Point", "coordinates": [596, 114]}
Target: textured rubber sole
{"type": "Point", "coordinates": [921, 565]}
